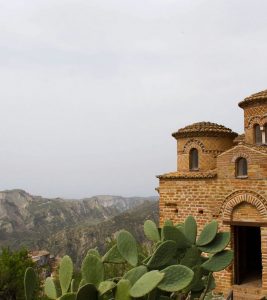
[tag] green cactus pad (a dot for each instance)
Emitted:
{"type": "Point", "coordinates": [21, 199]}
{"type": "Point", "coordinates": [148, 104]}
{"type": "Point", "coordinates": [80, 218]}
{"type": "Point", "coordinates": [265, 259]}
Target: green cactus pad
{"type": "Point", "coordinates": [219, 261]}
{"type": "Point", "coordinates": [106, 286]}
{"type": "Point", "coordinates": [176, 278]}
{"type": "Point", "coordinates": [68, 296]}
{"type": "Point", "coordinates": [197, 284]}
{"type": "Point", "coordinates": [208, 233]}
{"type": "Point", "coordinates": [168, 223]}
{"type": "Point", "coordinates": [50, 288]}
{"type": "Point", "coordinates": [151, 231]}
{"type": "Point", "coordinates": [191, 257]}
{"type": "Point", "coordinates": [190, 229]}
{"type": "Point", "coordinates": [172, 233]}
{"type": "Point", "coordinates": [146, 283]}
{"type": "Point", "coordinates": [162, 255]}
{"type": "Point", "coordinates": [65, 273]}
{"type": "Point", "coordinates": [86, 292]}
{"type": "Point", "coordinates": [210, 282]}
{"type": "Point", "coordinates": [113, 256]}
{"type": "Point", "coordinates": [219, 243]}
{"type": "Point", "coordinates": [127, 247]}
{"type": "Point", "coordinates": [93, 251]}
{"type": "Point", "coordinates": [134, 274]}
{"type": "Point", "coordinates": [123, 290]}
{"type": "Point", "coordinates": [92, 270]}
{"type": "Point", "coordinates": [30, 283]}
{"type": "Point", "coordinates": [82, 283]}
{"type": "Point", "coordinates": [74, 285]}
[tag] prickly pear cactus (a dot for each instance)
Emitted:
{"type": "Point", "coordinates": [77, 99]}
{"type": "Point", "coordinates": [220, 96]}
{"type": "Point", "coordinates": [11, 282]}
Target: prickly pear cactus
{"type": "Point", "coordinates": [65, 273]}
{"type": "Point", "coordinates": [30, 283]}
{"type": "Point", "coordinates": [177, 266]}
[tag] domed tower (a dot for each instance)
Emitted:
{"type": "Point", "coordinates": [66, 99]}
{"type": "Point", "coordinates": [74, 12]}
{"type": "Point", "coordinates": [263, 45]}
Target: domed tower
{"type": "Point", "coordinates": [255, 118]}
{"type": "Point", "coordinates": [199, 144]}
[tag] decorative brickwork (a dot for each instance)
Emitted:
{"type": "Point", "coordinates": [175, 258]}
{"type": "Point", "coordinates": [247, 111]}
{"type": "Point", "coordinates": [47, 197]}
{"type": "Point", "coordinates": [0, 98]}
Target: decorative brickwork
{"type": "Point", "coordinates": [214, 191]}
{"type": "Point", "coordinates": [241, 154]}
{"type": "Point", "coordinates": [240, 197]}
{"type": "Point", "coordinates": [193, 143]}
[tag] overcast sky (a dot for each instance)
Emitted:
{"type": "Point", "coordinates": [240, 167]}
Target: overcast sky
{"type": "Point", "coordinates": [91, 90]}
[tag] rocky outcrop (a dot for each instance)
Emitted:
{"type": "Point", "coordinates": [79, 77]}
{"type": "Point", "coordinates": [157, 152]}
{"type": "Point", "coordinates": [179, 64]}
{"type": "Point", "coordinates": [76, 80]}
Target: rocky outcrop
{"type": "Point", "coordinates": [67, 226]}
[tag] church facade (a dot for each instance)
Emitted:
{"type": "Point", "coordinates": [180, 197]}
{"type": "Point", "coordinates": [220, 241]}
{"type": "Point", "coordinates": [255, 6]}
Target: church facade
{"type": "Point", "coordinates": [222, 175]}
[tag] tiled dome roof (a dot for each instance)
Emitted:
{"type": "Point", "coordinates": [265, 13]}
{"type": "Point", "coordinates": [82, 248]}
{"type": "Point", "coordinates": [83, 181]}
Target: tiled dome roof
{"type": "Point", "coordinates": [258, 97]}
{"type": "Point", "coordinates": [204, 129]}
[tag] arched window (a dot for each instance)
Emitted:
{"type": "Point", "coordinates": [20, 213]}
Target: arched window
{"type": "Point", "coordinates": [257, 134]}
{"type": "Point", "coordinates": [193, 159]}
{"type": "Point", "coordinates": [241, 167]}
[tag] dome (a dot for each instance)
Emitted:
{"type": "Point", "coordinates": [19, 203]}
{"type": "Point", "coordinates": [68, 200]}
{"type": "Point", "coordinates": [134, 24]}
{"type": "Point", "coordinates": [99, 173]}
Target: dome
{"type": "Point", "coordinates": [204, 129]}
{"type": "Point", "coordinates": [254, 98]}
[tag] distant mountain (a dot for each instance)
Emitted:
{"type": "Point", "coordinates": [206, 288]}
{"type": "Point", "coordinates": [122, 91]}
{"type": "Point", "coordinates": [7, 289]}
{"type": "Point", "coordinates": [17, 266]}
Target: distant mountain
{"type": "Point", "coordinates": [77, 240]}
{"type": "Point", "coordinates": [69, 226]}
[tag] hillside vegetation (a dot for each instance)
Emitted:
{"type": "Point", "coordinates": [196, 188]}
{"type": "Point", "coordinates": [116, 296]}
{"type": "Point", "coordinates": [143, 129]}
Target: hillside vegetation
{"type": "Point", "coordinates": [69, 226]}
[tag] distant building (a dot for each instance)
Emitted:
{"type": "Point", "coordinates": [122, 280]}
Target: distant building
{"type": "Point", "coordinates": [44, 262]}
{"type": "Point", "coordinates": [222, 175]}
{"type": "Point", "coordinates": [41, 258]}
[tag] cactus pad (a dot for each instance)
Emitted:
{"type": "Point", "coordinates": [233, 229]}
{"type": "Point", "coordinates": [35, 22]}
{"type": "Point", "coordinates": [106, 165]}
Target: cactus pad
{"type": "Point", "coordinates": [176, 278]}
{"type": "Point", "coordinates": [172, 233]}
{"type": "Point", "coordinates": [127, 247]}
{"type": "Point", "coordinates": [30, 283]}
{"type": "Point", "coordinates": [86, 292]}
{"type": "Point", "coordinates": [191, 257]}
{"type": "Point", "coordinates": [190, 229]}
{"type": "Point", "coordinates": [92, 270]}
{"type": "Point", "coordinates": [219, 243]}
{"type": "Point", "coordinates": [134, 274]}
{"type": "Point", "coordinates": [219, 261]}
{"type": "Point", "coordinates": [106, 286]}
{"type": "Point", "coordinates": [123, 290]}
{"type": "Point", "coordinates": [93, 251]}
{"type": "Point", "coordinates": [168, 223]}
{"type": "Point", "coordinates": [113, 256]}
{"type": "Point", "coordinates": [68, 296]}
{"type": "Point", "coordinates": [208, 233]}
{"type": "Point", "coordinates": [151, 231]}
{"type": "Point", "coordinates": [50, 288]}
{"type": "Point", "coordinates": [162, 255]}
{"type": "Point", "coordinates": [146, 284]}
{"type": "Point", "coordinates": [74, 285]}
{"type": "Point", "coordinates": [65, 273]}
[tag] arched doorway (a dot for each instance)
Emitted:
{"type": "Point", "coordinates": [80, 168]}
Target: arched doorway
{"type": "Point", "coordinates": [246, 214]}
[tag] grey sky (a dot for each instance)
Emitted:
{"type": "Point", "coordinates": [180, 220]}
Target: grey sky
{"type": "Point", "coordinates": [92, 90]}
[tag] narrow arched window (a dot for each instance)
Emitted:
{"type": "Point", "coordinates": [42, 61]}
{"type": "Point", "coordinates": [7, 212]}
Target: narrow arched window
{"type": "Point", "coordinates": [257, 134]}
{"type": "Point", "coordinates": [193, 159]}
{"type": "Point", "coordinates": [241, 167]}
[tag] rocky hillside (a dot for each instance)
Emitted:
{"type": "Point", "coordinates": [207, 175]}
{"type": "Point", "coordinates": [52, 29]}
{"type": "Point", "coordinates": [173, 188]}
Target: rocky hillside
{"type": "Point", "coordinates": [77, 240]}
{"type": "Point", "coordinates": [69, 226]}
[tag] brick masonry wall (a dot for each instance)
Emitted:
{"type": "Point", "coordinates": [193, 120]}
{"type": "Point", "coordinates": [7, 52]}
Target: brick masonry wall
{"type": "Point", "coordinates": [223, 198]}
{"type": "Point", "coordinates": [254, 114]}
{"type": "Point", "coordinates": [208, 149]}
{"type": "Point", "coordinates": [204, 200]}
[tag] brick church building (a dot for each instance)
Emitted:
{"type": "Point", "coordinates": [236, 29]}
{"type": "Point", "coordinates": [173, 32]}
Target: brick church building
{"type": "Point", "coordinates": [222, 175]}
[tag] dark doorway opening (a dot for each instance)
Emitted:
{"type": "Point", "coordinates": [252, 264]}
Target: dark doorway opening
{"type": "Point", "coordinates": [248, 259]}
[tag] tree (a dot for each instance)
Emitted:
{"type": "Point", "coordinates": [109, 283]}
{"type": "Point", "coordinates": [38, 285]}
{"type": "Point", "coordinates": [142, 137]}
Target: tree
{"type": "Point", "coordinates": [13, 265]}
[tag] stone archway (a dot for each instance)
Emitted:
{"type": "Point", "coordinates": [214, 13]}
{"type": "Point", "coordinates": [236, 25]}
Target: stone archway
{"type": "Point", "coordinates": [236, 198]}
{"type": "Point", "coordinates": [245, 212]}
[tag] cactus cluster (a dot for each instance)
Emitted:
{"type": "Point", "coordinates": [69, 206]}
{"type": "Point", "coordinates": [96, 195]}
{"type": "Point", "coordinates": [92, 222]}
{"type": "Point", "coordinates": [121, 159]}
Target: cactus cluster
{"type": "Point", "coordinates": [180, 266]}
